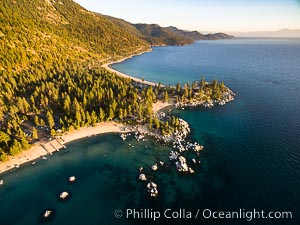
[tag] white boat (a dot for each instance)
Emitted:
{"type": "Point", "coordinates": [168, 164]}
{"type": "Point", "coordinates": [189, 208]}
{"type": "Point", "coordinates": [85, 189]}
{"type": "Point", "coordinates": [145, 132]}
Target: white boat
{"type": "Point", "coordinates": [72, 178]}
{"type": "Point", "coordinates": [1, 182]}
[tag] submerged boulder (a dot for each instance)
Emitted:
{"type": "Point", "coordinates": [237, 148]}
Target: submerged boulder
{"type": "Point", "coordinates": [142, 177]}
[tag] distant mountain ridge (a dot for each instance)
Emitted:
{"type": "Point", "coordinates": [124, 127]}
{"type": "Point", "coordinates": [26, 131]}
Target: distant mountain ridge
{"type": "Point", "coordinates": [195, 35]}
{"type": "Point", "coordinates": [293, 33]}
{"type": "Point", "coordinates": [50, 32]}
{"type": "Point", "coordinates": [157, 35]}
{"type": "Point", "coordinates": [51, 74]}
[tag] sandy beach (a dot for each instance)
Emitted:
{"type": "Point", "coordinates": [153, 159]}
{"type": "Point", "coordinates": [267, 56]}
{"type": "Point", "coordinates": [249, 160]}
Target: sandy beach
{"type": "Point", "coordinates": [47, 148]}
{"type": "Point", "coordinates": [160, 105]}
{"type": "Point", "coordinates": [42, 149]}
{"type": "Point", "coordinates": [108, 67]}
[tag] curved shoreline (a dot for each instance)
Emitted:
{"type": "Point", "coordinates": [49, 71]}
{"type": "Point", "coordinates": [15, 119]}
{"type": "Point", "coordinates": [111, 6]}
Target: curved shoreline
{"type": "Point", "coordinates": [139, 80]}
{"type": "Point", "coordinates": [40, 149]}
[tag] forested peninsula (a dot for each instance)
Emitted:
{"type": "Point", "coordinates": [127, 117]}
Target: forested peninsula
{"type": "Point", "coordinates": [51, 79]}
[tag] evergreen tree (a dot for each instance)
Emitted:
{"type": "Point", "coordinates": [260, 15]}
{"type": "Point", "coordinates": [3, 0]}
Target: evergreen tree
{"type": "Point", "coordinates": [110, 114]}
{"type": "Point", "coordinates": [36, 120]}
{"type": "Point", "coordinates": [3, 157]}
{"type": "Point", "coordinates": [50, 120]}
{"type": "Point", "coordinates": [178, 88]}
{"type": "Point", "coordinates": [194, 85]}
{"type": "Point", "coordinates": [93, 118]}
{"type": "Point", "coordinates": [166, 97]}
{"type": "Point", "coordinates": [15, 148]}
{"type": "Point", "coordinates": [78, 118]}
{"type": "Point", "coordinates": [42, 122]}
{"type": "Point", "coordinates": [125, 113]}
{"type": "Point", "coordinates": [52, 132]}
{"type": "Point", "coordinates": [4, 138]}
{"type": "Point", "coordinates": [202, 83]}
{"type": "Point", "coordinates": [166, 127]}
{"type": "Point", "coordinates": [24, 143]}
{"type": "Point", "coordinates": [88, 118]}
{"type": "Point", "coordinates": [101, 115]}
{"type": "Point", "coordinates": [156, 123]}
{"type": "Point", "coordinates": [34, 133]}
{"type": "Point", "coordinates": [215, 84]}
{"type": "Point", "coordinates": [121, 113]}
{"type": "Point", "coordinates": [150, 123]}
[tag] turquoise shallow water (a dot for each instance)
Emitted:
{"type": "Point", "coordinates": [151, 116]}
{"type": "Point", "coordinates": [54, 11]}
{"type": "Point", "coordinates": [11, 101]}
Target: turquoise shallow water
{"type": "Point", "coordinates": [251, 158]}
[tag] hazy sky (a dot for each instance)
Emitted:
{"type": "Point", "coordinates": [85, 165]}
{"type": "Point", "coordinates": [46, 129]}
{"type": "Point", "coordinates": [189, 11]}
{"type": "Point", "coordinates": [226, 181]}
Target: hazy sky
{"type": "Point", "coordinates": [204, 15]}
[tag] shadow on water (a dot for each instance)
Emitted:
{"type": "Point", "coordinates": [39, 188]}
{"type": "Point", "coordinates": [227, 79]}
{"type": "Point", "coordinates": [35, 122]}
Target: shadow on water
{"type": "Point", "coordinates": [250, 158]}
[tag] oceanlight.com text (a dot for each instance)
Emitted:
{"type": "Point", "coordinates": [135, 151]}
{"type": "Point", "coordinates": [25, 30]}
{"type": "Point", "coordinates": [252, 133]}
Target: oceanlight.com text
{"type": "Point", "coordinates": [202, 214]}
{"type": "Point", "coordinates": [244, 214]}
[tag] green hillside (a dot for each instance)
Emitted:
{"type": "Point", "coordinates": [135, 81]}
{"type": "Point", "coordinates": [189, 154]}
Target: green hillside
{"type": "Point", "coordinates": [49, 76]}
{"type": "Point", "coordinates": [157, 35]}
{"type": "Point", "coordinates": [195, 35]}
{"type": "Point", "coordinates": [56, 31]}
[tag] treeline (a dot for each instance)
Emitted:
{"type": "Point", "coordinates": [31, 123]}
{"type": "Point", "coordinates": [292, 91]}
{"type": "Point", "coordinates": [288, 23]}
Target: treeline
{"type": "Point", "coordinates": [51, 102]}
{"type": "Point", "coordinates": [44, 32]}
{"type": "Point", "coordinates": [200, 90]}
{"type": "Point", "coordinates": [164, 126]}
{"type": "Point", "coordinates": [49, 81]}
{"type": "Point", "coordinates": [157, 35]}
{"type": "Point", "coordinates": [64, 101]}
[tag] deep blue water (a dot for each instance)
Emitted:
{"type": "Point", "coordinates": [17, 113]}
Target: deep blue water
{"type": "Point", "coordinates": [252, 145]}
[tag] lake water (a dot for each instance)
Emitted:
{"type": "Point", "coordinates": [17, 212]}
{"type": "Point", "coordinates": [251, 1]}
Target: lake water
{"type": "Point", "coordinates": [252, 146]}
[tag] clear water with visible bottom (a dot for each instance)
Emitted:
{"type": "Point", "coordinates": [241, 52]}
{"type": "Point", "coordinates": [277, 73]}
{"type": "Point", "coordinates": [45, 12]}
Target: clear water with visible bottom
{"type": "Point", "coordinates": [252, 146]}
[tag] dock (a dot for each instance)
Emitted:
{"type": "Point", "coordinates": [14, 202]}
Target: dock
{"type": "Point", "coordinates": [52, 146]}
{"type": "Point", "coordinates": [61, 144]}
{"type": "Point", "coordinates": [44, 147]}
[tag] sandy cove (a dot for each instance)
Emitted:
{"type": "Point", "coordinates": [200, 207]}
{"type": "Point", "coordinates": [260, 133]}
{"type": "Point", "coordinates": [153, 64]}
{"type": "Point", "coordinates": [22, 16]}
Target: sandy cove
{"type": "Point", "coordinates": [159, 105]}
{"type": "Point", "coordinates": [41, 149]}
